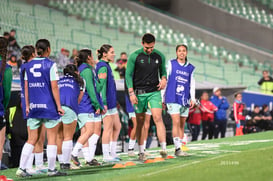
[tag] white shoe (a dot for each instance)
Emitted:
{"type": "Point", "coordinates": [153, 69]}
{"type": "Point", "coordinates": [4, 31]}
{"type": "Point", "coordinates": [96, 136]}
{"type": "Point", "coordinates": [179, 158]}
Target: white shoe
{"type": "Point", "coordinates": [180, 153]}
{"type": "Point", "coordinates": [22, 173]}
{"type": "Point", "coordinates": [131, 153]}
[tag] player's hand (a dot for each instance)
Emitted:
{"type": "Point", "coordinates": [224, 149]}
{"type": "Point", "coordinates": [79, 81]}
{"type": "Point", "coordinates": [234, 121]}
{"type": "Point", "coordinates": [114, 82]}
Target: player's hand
{"type": "Point", "coordinates": [162, 84]}
{"type": "Point", "coordinates": [27, 110]}
{"type": "Point", "coordinates": [97, 111]}
{"type": "Point", "coordinates": [133, 99]}
{"type": "Point", "coordinates": [164, 106]}
{"type": "Point", "coordinates": [192, 104]}
{"type": "Point", "coordinates": [102, 75]}
{"type": "Point", "coordinates": [61, 111]}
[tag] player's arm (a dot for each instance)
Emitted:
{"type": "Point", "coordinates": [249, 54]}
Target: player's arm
{"type": "Point", "coordinates": [129, 77]}
{"type": "Point", "coordinates": [102, 87]}
{"type": "Point", "coordinates": [88, 77]}
{"type": "Point", "coordinates": [7, 86]}
{"type": "Point", "coordinates": [54, 77]}
{"type": "Point", "coordinates": [163, 73]}
{"type": "Point", "coordinates": [82, 90]}
{"type": "Point", "coordinates": [130, 72]}
{"type": "Point", "coordinates": [192, 89]}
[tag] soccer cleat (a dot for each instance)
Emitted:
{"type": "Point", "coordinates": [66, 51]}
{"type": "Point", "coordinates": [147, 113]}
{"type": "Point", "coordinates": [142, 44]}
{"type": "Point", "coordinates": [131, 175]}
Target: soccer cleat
{"type": "Point", "coordinates": [65, 166]}
{"type": "Point", "coordinates": [22, 173]}
{"type": "Point", "coordinates": [75, 160]}
{"type": "Point", "coordinates": [55, 172]}
{"type": "Point", "coordinates": [142, 157]}
{"type": "Point", "coordinates": [93, 162]}
{"type": "Point", "coordinates": [131, 153]}
{"type": "Point", "coordinates": [163, 153]}
{"type": "Point", "coordinates": [178, 152]}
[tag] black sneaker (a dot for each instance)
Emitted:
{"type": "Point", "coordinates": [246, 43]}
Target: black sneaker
{"type": "Point", "coordinates": [65, 166]}
{"type": "Point", "coordinates": [75, 160]}
{"type": "Point", "coordinates": [93, 162]}
{"type": "Point", "coordinates": [55, 172]}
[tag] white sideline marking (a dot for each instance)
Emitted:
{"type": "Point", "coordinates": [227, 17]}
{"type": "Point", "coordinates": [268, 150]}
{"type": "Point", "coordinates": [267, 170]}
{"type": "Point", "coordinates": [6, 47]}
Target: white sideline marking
{"type": "Point", "coordinates": [181, 166]}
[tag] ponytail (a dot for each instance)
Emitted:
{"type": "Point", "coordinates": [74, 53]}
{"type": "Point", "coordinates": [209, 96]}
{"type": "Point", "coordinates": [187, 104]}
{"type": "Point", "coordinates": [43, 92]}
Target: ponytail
{"type": "Point", "coordinates": [71, 70]}
{"type": "Point", "coordinates": [27, 52]}
{"type": "Point", "coordinates": [103, 49]}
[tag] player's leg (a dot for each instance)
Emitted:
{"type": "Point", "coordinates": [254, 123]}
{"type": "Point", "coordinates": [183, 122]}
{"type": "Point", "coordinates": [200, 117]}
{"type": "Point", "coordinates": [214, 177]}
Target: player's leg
{"type": "Point", "coordinates": [69, 126]}
{"type": "Point", "coordinates": [2, 138]}
{"type": "Point", "coordinates": [115, 134]}
{"type": "Point", "coordinates": [82, 143]}
{"type": "Point", "coordinates": [33, 135]}
{"type": "Point", "coordinates": [59, 141]}
{"type": "Point", "coordinates": [39, 151]}
{"type": "Point", "coordinates": [146, 127]}
{"type": "Point", "coordinates": [52, 127]}
{"type": "Point", "coordinates": [132, 140]}
{"type": "Point", "coordinates": [216, 129]}
{"type": "Point", "coordinates": [93, 140]}
{"type": "Point", "coordinates": [140, 117]}
{"type": "Point", "coordinates": [106, 136]}
{"type": "Point", "coordinates": [155, 105]}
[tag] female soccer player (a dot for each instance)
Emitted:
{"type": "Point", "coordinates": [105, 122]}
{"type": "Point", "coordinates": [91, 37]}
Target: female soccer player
{"type": "Point", "coordinates": [42, 106]}
{"type": "Point", "coordinates": [180, 94]}
{"type": "Point", "coordinates": [90, 109]}
{"type": "Point", "coordinates": [71, 87]}
{"type": "Point", "coordinates": [111, 121]}
{"type": "Point", "coordinates": [28, 53]}
{"type": "Point", "coordinates": [5, 87]}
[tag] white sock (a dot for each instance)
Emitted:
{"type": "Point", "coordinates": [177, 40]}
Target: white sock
{"type": "Point", "coordinates": [39, 159]}
{"type": "Point", "coordinates": [0, 163]}
{"type": "Point", "coordinates": [176, 142]}
{"type": "Point", "coordinates": [86, 154]}
{"type": "Point", "coordinates": [105, 150]}
{"type": "Point", "coordinates": [26, 151]}
{"type": "Point", "coordinates": [181, 142]}
{"type": "Point", "coordinates": [67, 149]}
{"type": "Point", "coordinates": [76, 149]}
{"type": "Point", "coordinates": [163, 145]}
{"type": "Point", "coordinates": [92, 141]}
{"type": "Point", "coordinates": [145, 142]}
{"type": "Point", "coordinates": [30, 161]}
{"type": "Point", "coordinates": [113, 149]}
{"type": "Point", "coordinates": [132, 144]}
{"type": "Point", "coordinates": [60, 158]}
{"type": "Point", "coordinates": [51, 152]}
{"type": "Point", "coordinates": [141, 148]}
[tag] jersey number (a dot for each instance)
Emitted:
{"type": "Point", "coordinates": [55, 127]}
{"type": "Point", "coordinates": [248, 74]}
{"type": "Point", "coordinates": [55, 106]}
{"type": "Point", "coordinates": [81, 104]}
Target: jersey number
{"type": "Point", "coordinates": [36, 73]}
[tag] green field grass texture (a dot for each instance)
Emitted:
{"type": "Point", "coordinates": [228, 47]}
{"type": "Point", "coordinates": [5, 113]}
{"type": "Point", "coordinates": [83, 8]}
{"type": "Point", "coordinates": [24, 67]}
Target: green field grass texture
{"type": "Point", "coordinates": [248, 157]}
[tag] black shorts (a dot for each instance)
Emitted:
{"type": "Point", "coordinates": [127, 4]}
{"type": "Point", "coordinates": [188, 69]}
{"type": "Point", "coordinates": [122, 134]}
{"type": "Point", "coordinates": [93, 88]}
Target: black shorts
{"type": "Point", "coordinates": [2, 123]}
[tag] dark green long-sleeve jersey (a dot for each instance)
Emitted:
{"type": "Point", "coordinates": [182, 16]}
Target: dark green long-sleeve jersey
{"type": "Point", "coordinates": [143, 71]}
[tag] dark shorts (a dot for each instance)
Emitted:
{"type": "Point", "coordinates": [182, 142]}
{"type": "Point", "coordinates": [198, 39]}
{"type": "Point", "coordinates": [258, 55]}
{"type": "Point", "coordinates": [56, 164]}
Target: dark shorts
{"type": "Point", "coordinates": [2, 123]}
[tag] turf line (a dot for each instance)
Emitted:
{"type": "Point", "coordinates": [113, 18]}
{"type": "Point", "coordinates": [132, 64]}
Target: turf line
{"type": "Point", "coordinates": [195, 162]}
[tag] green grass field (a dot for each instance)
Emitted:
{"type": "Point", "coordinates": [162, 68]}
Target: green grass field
{"type": "Point", "coordinates": [248, 157]}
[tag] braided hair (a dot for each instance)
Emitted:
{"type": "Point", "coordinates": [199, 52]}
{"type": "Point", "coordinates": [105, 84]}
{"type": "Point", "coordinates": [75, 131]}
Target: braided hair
{"type": "Point", "coordinates": [3, 54]}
